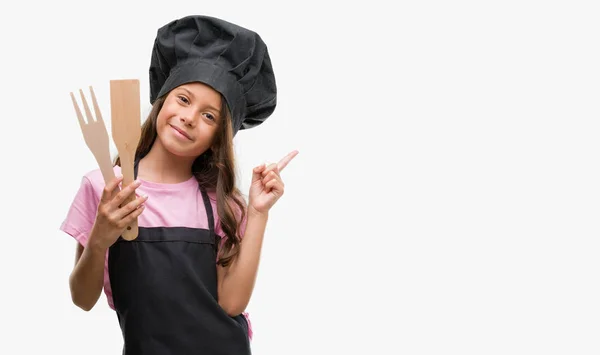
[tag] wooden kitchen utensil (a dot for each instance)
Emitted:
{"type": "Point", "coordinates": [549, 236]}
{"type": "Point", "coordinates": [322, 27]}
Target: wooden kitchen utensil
{"type": "Point", "coordinates": [126, 132]}
{"type": "Point", "coordinates": [95, 135]}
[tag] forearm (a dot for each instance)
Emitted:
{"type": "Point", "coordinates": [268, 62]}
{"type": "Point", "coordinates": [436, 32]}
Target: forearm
{"type": "Point", "coordinates": [238, 283]}
{"type": "Point", "coordinates": [87, 279]}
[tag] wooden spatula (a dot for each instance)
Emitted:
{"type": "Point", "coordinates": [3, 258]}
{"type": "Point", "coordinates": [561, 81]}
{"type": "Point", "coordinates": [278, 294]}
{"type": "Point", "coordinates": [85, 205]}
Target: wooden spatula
{"type": "Point", "coordinates": [126, 132]}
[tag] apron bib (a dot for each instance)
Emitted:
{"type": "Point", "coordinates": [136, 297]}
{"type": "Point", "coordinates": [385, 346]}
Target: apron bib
{"type": "Point", "coordinates": [164, 286]}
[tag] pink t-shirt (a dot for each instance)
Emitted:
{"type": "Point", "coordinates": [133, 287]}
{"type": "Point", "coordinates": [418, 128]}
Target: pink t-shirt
{"type": "Point", "coordinates": [168, 205]}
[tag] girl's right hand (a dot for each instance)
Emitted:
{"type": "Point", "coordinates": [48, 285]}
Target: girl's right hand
{"type": "Point", "coordinates": [112, 218]}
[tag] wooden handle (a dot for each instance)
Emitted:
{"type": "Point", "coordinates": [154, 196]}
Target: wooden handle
{"type": "Point", "coordinates": [131, 232]}
{"type": "Point", "coordinates": [105, 164]}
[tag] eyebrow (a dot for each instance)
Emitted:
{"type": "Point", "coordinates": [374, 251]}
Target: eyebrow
{"type": "Point", "coordinates": [194, 97]}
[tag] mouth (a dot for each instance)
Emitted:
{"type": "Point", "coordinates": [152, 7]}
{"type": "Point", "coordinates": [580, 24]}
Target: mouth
{"type": "Point", "coordinates": [181, 132]}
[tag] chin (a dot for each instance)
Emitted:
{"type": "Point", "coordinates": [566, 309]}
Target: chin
{"type": "Point", "coordinates": [181, 153]}
{"type": "Point", "coordinates": [176, 149]}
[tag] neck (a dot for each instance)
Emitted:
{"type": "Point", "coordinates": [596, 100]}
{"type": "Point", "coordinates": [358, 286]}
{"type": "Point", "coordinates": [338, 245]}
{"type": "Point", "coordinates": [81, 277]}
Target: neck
{"type": "Point", "coordinates": [161, 166]}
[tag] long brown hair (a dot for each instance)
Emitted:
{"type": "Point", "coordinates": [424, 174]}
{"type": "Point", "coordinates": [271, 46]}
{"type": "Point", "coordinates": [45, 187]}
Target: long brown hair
{"type": "Point", "coordinates": [215, 171]}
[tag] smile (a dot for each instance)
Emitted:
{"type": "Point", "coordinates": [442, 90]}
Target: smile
{"type": "Point", "coordinates": [180, 133]}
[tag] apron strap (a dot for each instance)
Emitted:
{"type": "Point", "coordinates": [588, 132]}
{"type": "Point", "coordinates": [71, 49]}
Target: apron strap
{"type": "Point", "coordinates": [209, 212]}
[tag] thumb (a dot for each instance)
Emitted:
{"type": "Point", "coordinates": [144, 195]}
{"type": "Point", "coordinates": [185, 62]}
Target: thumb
{"type": "Point", "coordinates": [256, 172]}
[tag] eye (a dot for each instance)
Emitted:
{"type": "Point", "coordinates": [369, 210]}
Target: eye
{"type": "Point", "coordinates": [184, 99]}
{"type": "Point", "coordinates": [209, 116]}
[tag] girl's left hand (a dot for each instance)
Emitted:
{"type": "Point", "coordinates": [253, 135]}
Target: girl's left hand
{"type": "Point", "coordinates": [267, 186]}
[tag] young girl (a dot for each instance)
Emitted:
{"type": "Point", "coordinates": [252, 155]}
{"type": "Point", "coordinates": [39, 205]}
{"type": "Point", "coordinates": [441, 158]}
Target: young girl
{"type": "Point", "coordinates": [181, 287]}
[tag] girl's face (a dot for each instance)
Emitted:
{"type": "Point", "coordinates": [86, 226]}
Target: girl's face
{"type": "Point", "coordinates": [188, 120]}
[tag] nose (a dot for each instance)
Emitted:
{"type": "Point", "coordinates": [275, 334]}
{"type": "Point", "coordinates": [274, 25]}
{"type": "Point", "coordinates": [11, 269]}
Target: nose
{"type": "Point", "coordinates": [186, 119]}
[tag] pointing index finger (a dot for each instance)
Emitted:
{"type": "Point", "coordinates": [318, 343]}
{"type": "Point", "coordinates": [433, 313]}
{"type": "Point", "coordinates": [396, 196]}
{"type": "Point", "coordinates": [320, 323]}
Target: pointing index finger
{"type": "Point", "coordinates": [285, 161]}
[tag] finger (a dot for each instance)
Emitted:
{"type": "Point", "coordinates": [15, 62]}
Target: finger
{"type": "Point", "coordinates": [110, 188]}
{"type": "Point", "coordinates": [126, 192]}
{"type": "Point", "coordinates": [132, 206]}
{"type": "Point", "coordinates": [275, 186]}
{"type": "Point", "coordinates": [286, 160]}
{"type": "Point", "coordinates": [271, 167]}
{"type": "Point", "coordinates": [257, 171]}
{"type": "Point", "coordinates": [130, 218]}
{"type": "Point", "coordinates": [270, 176]}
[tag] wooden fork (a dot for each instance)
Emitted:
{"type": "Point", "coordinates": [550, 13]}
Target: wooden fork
{"type": "Point", "coordinates": [95, 135]}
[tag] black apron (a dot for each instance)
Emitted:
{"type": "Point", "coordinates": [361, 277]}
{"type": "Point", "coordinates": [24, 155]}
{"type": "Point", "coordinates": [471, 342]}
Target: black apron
{"type": "Point", "coordinates": [164, 289]}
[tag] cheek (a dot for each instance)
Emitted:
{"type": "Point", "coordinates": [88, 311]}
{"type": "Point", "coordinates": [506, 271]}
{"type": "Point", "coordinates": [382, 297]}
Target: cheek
{"type": "Point", "coordinates": [209, 135]}
{"type": "Point", "coordinates": [160, 124]}
{"type": "Point", "coordinates": [165, 112]}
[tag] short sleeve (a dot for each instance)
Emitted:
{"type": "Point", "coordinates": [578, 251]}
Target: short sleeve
{"type": "Point", "coordinates": [82, 213]}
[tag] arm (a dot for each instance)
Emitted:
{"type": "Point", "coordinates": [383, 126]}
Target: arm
{"type": "Point", "coordinates": [84, 279]}
{"type": "Point", "coordinates": [236, 281]}
{"type": "Point", "coordinates": [103, 223]}
{"type": "Point", "coordinates": [87, 278]}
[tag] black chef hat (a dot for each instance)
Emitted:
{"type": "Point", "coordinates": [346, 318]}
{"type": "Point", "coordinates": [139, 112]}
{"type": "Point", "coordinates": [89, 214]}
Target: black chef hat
{"type": "Point", "coordinates": [231, 59]}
